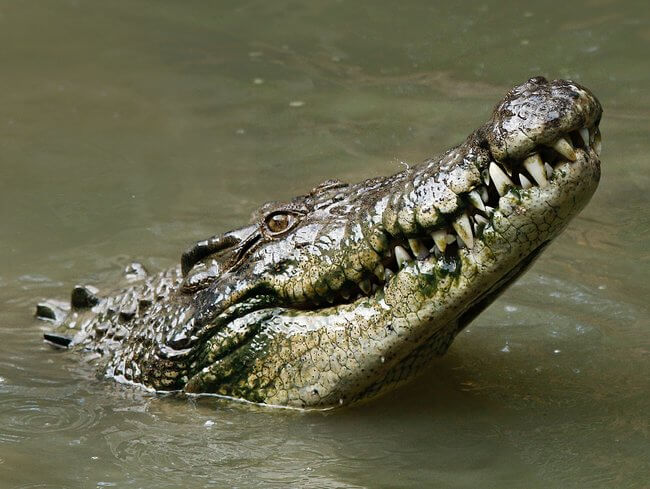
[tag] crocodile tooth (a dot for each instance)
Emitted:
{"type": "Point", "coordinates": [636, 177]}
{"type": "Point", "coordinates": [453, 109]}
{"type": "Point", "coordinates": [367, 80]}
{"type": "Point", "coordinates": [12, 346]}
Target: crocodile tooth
{"type": "Point", "coordinates": [365, 286]}
{"type": "Point", "coordinates": [598, 144]}
{"type": "Point", "coordinates": [476, 200]}
{"type": "Point", "coordinates": [450, 238]}
{"type": "Point", "coordinates": [564, 147]}
{"type": "Point", "coordinates": [402, 256]}
{"type": "Point", "coordinates": [485, 196]}
{"type": "Point", "coordinates": [345, 294]}
{"type": "Point", "coordinates": [489, 210]}
{"type": "Point", "coordinates": [425, 253]}
{"type": "Point", "coordinates": [464, 229]}
{"type": "Point", "coordinates": [499, 178]}
{"type": "Point", "coordinates": [379, 271]}
{"type": "Point", "coordinates": [375, 288]}
{"type": "Point", "coordinates": [549, 170]}
{"type": "Point", "coordinates": [480, 220]}
{"type": "Point", "coordinates": [535, 167]}
{"type": "Point", "coordinates": [525, 183]}
{"type": "Point", "coordinates": [388, 274]}
{"type": "Point", "coordinates": [584, 134]}
{"type": "Point", "coordinates": [419, 250]}
{"type": "Point", "coordinates": [440, 239]}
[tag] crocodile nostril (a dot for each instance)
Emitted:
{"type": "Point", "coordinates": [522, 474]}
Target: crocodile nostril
{"type": "Point", "coordinates": [538, 80]}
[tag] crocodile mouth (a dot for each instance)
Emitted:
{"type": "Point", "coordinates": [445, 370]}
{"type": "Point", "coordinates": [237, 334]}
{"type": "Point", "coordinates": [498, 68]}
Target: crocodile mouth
{"type": "Point", "coordinates": [441, 247]}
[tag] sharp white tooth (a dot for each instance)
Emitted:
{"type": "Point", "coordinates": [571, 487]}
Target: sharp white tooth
{"type": "Point", "coordinates": [440, 239]}
{"type": "Point", "coordinates": [598, 144]}
{"type": "Point", "coordinates": [419, 250]}
{"type": "Point", "coordinates": [450, 238]}
{"type": "Point", "coordinates": [485, 196]}
{"type": "Point", "coordinates": [525, 183]}
{"type": "Point", "coordinates": [365, 286]}
{"type": "Point", "coordinates": [499, 178]}
{"type": "Point", "coordinates": [549, 170]}
{"type": "Point", "coordinates": [476, 200]}
{"type": "Point", "coordinates": [345, 294]}
{"type": "Point", "coordinates": [388, 274]}
{"type": "Point", "coordinates": [464, 229]}
{"type": "Point", "coordinates": [564, 147]}
{"type": "Point", "coordinates": [535, 167]}
{"type": "Point", "coordinates": [489, 210]}
{"type": "Point", "coordinates": [402, 256]}
{"type": "Point", "coordinates": [584, 134]}
{"type": "Point", "coordinates": [480, 220]}
{"type": "Point", "coordinates": [379, 271]}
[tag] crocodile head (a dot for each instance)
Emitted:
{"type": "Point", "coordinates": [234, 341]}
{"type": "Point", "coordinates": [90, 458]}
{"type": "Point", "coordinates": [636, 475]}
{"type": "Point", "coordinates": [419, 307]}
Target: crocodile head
{"type": "Point", "coordinates": [335, 295]}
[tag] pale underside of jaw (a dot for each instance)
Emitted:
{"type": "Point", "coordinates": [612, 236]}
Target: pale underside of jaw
{"type": "Point", "coordinates": [445, 243]}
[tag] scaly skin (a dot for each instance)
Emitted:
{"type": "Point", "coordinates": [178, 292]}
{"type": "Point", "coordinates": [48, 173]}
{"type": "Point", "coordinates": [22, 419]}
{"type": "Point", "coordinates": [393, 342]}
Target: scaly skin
{"type": "Point", "coordinates": [317, 302]}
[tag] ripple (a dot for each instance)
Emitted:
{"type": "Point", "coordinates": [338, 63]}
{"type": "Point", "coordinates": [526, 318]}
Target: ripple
{"type": "Point", "coordinates": [165, 449]}
{"type": "Point", "coordinates": [41, 485]}
{"type": "Point", "coordinates": [35, 281]}
{"type": "Point", "coordinates": [24, 417]}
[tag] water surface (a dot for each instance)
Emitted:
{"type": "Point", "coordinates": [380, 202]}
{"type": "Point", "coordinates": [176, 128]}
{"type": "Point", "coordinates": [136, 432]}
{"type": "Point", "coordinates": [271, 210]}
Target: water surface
{"type": "Point", "coordinates": [129, 129]}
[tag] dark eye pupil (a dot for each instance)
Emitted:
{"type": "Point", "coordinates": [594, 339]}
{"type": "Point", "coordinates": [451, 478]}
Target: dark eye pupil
{"type": "Point", "coordinates": [278, 223]}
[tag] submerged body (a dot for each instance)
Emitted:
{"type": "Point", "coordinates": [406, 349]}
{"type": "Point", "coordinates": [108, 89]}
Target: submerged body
{"type": "Point", "coordinates": [351, 289]}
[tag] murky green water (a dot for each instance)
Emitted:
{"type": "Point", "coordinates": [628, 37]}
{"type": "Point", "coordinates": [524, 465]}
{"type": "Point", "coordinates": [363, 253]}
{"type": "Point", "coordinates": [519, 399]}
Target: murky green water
{"type": "Point", "coordinates": [129, 129]}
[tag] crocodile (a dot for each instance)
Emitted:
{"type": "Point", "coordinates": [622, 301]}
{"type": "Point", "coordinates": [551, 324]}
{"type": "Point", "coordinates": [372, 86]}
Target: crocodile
{"type": "Point", "coordinates": [350, 290]}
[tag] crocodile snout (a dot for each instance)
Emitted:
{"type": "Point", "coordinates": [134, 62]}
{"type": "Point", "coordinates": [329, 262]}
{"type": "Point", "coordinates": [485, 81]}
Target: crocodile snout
{"type": "Point", "coordinates": [538, 113]}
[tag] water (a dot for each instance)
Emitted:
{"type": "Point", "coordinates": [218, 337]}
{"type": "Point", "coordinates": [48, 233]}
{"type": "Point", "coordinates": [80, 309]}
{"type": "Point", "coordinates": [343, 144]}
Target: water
{"type": "Point", "coordinates": [129, 129]}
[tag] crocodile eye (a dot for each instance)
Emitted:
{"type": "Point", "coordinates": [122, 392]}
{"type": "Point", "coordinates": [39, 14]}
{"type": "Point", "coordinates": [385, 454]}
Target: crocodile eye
{"type": "Point", "coordinates": [279, 222]}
